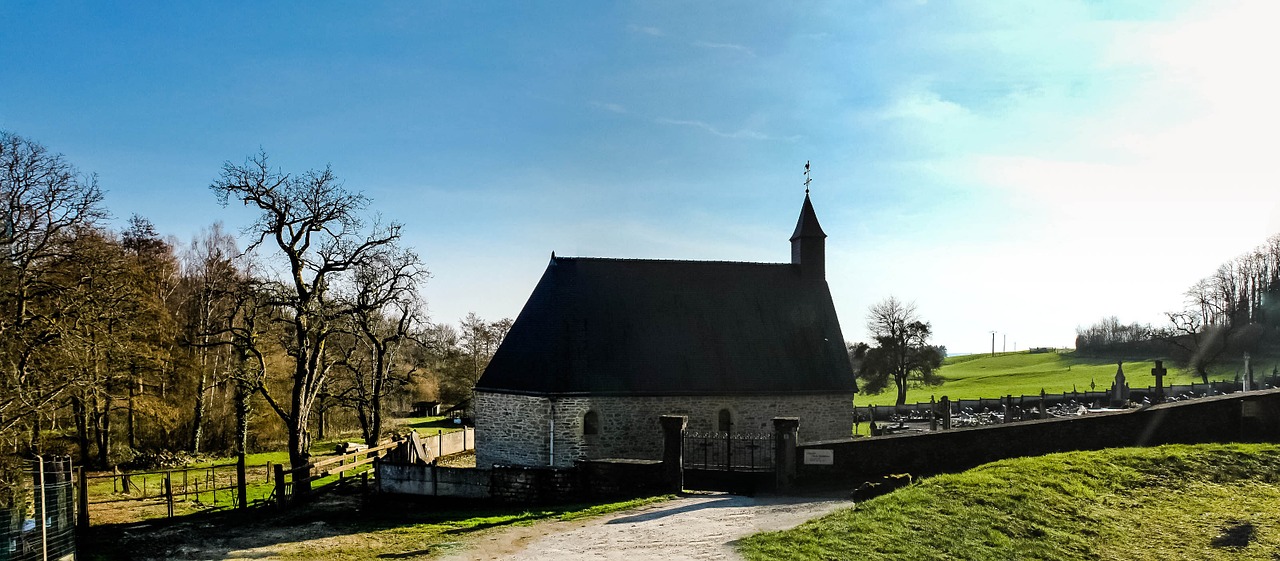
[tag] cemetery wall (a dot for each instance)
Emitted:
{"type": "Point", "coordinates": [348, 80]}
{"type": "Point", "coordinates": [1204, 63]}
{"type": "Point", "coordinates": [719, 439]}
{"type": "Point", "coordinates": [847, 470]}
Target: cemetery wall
{"type": "Point", "coordinates": [521, 484]}
{"type": "Point", "coordinates": [1241, 417]}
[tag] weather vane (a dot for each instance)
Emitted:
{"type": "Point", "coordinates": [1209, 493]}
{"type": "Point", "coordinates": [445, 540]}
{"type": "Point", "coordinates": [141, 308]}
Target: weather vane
{"type": "Point", "coordinates": [807, 179]}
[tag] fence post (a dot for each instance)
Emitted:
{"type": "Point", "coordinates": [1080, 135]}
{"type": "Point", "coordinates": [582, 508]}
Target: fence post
{"type": "Point", "coordinates": [44, 515]}
{"type": "Point", "coordinates": [280, 492]}
{"type": "Point", "coordinates": [82, 516]}
{"type": "Point", "coordinates": [168, 491]}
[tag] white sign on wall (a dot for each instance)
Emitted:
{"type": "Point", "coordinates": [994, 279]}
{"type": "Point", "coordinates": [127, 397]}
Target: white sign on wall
{"type": "Point", "coordinates": [819, 457]}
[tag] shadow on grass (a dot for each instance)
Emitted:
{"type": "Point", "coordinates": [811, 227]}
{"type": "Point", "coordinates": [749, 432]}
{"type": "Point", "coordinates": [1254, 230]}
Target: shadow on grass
{"type": "Point", "coordinates": [343, 512]}
{"type": "Point", "coordinates": [427, 423]}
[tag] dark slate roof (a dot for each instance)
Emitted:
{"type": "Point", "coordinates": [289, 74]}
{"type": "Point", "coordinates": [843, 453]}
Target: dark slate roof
{"type": "Point", "coordinates": [807, 225]}
{"type": "Point", "coordinates": [650, 327]}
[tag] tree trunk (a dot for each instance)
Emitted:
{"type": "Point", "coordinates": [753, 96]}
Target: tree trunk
{"type": "Point", "coordinates": [103, 425]}
{"type": "Point", "coordinates": [133, 384]}
{"type": "Point", "coordinates": [81, 414]}
{"type": "Point", "coordinates": [36, 447]}
{"type": "Point", "coordinates": [242, 439]}
{"type": "Point", "coordinates": [197, 423]}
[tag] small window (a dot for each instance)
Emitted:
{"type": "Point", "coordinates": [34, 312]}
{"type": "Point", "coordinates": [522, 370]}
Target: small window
{"type": "Point", "coordinates": [591, 423]}
{"type": "Point", "coordinates": [725, 421]}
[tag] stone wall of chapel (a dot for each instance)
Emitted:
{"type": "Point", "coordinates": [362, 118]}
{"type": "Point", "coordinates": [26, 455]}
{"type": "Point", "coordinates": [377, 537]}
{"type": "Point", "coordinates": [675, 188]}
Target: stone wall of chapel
{"type": "Point", "coordinates": [517, 430]}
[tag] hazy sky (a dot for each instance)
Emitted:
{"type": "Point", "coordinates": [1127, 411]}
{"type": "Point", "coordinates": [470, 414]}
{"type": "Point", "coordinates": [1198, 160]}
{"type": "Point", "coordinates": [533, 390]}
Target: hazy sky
{"type": "Point", "coordinates": [1023, 167]}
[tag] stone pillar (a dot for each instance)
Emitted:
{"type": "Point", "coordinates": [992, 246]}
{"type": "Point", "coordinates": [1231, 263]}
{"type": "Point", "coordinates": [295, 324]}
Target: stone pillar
{"type": "Point", "coordinates": [946, 413]}
{"type": "Point", "coordinates": [673, 451]}
{"type": "Point", "coordinates": [786, 430]}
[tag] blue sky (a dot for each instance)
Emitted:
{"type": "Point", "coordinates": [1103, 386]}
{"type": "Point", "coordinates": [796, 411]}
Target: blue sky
{"type": "Point", "coordinates": [1023, 167]}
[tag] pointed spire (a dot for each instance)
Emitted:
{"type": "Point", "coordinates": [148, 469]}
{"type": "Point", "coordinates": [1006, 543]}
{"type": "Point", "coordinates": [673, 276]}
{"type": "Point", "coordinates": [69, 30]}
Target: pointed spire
{"type": "Point", "coordinates": [807, 225]}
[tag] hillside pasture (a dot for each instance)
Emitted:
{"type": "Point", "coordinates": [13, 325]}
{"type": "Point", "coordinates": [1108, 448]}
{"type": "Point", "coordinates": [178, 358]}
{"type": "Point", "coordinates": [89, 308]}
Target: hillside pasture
{"type": "Point", "coordinates": [1025, 373]}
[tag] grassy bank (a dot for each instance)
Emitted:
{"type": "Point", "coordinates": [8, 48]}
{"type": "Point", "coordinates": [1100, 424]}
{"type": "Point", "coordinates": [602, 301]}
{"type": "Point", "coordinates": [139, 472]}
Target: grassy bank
{"type": "Point", "coordinates": [1171, 502]}
{"type": "Point", "coordinates": [1023, 373]}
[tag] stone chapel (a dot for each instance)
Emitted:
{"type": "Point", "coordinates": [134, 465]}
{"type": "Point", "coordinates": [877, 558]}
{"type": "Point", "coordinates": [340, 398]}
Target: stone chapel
{"type": "Point", "coordinates": [603, 347]}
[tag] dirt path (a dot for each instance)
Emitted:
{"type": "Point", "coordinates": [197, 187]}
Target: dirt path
{"type": "Point", "coordinates": [701, 527]}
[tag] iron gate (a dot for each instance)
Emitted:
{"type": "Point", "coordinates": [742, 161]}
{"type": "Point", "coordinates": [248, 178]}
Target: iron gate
{"type": "Point", "coordinates": [724, 451]}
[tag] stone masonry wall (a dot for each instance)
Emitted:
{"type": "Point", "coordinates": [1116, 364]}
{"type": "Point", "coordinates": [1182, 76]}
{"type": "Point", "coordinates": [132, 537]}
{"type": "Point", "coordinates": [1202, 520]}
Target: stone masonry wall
{"type": "Point", "coordinates": [515, 430]}
{"type": "Point", "coordinates": [511, 429]}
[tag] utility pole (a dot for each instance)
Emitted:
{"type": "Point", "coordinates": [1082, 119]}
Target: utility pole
{"type": "Point", "coordinates": [1004, 343]}
{"type": "Point", "coordinates": [993, 343]}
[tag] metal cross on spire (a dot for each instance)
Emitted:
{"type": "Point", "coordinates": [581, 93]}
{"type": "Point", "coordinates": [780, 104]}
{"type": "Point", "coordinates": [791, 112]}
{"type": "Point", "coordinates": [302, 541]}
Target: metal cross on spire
{"type": "Point", "coordinates": [807, 179]}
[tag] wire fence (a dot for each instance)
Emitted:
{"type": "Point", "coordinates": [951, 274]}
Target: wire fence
{"type": "Point", "coordinates": [38, 514]}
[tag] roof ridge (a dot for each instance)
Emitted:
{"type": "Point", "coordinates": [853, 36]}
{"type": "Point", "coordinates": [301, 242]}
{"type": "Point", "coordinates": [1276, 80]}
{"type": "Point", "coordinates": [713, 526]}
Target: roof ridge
{"type": "Point", "coordinates": [645, 259]}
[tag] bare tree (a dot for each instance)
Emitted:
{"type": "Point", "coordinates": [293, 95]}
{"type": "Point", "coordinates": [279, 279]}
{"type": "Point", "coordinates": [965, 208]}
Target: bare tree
{"type": "Point", "coordinates": [211, 274]}
{"type": "Point", "coordinates": [902, 352]}
{"type": "Point", "coordinates": [43, 199]}
{"type": "Point", "coordinates": [386, 313]}
{"type": "Point", "coordinates": [314, 224]}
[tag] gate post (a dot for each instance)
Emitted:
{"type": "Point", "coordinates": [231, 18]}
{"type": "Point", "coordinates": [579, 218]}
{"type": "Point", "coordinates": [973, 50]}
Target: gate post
{"type": "Point", "coordinates": [785, 432]}
{"type": "Point", "coordinates": [673, 451]}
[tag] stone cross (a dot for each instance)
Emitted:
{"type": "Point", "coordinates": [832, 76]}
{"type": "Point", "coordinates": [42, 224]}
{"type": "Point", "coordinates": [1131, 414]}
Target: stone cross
{"type": "Point", "coordinates": [1159, 371]}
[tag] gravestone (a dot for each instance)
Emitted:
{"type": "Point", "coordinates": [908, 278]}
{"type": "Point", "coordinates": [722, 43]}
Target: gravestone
{"type": "Point", "coordinates": [1119, 393]}
{"type": "Point", "coordinates": [1248, 374]}
{"type": "Point", "coordinates": [1159, 371]}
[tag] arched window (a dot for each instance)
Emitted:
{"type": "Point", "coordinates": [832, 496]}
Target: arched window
{"type": "Point", "coordinates": [591, 423]}
{"type": "Point", "coordinates": [725, 421]}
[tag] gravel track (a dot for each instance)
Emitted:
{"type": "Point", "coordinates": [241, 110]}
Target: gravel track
{"type": "Point", "coordinates": [702, 527]}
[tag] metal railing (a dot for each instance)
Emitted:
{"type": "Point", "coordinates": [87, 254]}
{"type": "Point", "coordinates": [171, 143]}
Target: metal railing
{"type": "Point", "coordinates": [728, 451]}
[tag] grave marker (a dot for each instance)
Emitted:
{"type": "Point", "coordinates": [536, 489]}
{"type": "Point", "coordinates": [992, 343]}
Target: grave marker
{"type": "Point", "coordinates": [1159, 371]}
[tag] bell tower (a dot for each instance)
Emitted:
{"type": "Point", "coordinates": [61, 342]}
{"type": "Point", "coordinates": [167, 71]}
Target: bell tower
{"type": "Point", "coordinates": [808, 244]}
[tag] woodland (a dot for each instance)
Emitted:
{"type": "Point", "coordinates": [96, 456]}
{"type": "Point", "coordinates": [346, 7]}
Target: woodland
{"type": "Point", "coordinates": [121, 346]}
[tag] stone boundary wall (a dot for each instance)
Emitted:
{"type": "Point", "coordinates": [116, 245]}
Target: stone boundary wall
{"type": "Point", "coordinates": [1252, 416]}
{"type": "Point", "coordinates": [516, 429]}
{"type": "Point", "coordinates": [432, 480]}
{"type": "Point", "coordinates": [520, 484]}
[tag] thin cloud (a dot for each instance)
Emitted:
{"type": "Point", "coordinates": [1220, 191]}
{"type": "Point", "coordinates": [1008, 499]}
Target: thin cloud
{"type": "Point", "coordinates": [610, 107]}
{"type": "Point", "coordinates": [746, 134]}
{"type": "Point", "coordinates": [645, 29]}
{"type": "Point", "coordinates": [726, 46]}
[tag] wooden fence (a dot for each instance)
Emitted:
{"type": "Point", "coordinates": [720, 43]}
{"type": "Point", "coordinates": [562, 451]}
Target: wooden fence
{"type": "Point", "coordinates": [181, 483]}
{"type": "Point", "coordinates": [294, 485]}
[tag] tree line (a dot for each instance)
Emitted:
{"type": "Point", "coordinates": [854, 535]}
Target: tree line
{"type": "Point", "coordinates": [1234, 310]}
{"type": "Point", "coordinates": [116, 343]}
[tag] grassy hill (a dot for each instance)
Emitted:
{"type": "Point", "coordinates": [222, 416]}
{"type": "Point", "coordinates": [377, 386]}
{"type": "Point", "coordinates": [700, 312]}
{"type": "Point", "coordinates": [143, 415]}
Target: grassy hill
{"type": "Point", "coordinates": [1024, 373]}
{"type": "Point", "coordinates": [1217, 501]}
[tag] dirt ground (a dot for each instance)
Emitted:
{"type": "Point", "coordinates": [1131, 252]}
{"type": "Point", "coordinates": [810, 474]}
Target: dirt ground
{"type": "Point", "coordinates": [703, 527]}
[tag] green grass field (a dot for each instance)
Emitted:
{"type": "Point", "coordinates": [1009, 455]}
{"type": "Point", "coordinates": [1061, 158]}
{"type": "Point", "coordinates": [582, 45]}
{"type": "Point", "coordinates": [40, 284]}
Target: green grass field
{"type": "Point", "coordinates": [1024, 373]}
{"type": "Point", "coordinates": [1219, 501]}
